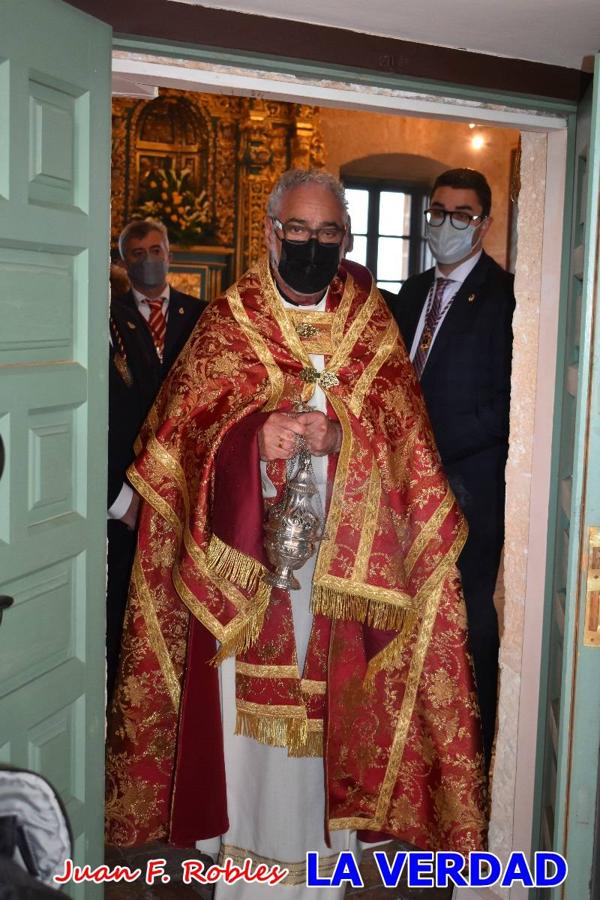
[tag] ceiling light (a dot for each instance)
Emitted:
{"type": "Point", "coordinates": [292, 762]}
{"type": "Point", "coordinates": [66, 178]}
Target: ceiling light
{"type": "Point", "coordinates": [477, 141]}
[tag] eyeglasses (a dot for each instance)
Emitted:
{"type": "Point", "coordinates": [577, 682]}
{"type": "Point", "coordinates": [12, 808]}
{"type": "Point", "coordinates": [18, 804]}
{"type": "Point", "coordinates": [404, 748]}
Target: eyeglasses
{"type": "Point", "coordinates": [459, 220]}
{"type": "Point", "coordinates": [301, 234]}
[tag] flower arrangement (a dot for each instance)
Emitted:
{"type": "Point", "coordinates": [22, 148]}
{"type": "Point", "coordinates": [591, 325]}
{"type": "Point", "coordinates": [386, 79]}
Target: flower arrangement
{"type": "Point", "coordinates": [169, 196]}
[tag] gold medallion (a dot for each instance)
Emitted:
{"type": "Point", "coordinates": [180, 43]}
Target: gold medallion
{"type": "Point", "coordinates": [309, 375]}
{"type": "Point", "coordinates": [328, 380]}
{"type": "Point", "coordinates": [425, 342]}
{"type": "Point", "coordinates": [324, 379]}
{"type": "Point", "coordinates": [304, 330]}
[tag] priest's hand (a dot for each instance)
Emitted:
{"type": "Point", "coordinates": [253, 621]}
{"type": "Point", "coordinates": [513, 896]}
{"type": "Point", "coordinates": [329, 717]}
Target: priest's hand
{"type": "Point", "coordinates": [277, 439]}
{"type": "Point", "coordinates": [322, 435]}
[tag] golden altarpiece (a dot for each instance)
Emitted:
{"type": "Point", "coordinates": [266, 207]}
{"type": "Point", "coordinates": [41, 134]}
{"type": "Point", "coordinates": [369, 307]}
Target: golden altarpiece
{"type": "Point", "coordinates": [204, 164]}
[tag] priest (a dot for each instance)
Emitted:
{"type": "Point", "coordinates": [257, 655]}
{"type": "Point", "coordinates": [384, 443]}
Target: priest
{"type": "Point", "coordinates": [261, 722]}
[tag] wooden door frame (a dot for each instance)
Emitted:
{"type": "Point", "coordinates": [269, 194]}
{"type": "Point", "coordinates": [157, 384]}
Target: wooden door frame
{"type": "Point", "coordinates": [541, 244]}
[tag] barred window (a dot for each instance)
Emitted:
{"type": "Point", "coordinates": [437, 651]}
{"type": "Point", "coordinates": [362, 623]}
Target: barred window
{"type": "Point", "coordinates": [387, 227]}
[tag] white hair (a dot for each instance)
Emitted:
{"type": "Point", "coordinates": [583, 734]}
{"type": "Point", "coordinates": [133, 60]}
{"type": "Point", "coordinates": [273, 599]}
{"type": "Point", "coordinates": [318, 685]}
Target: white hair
{"type": "Point", "coordinates": [294, 178]}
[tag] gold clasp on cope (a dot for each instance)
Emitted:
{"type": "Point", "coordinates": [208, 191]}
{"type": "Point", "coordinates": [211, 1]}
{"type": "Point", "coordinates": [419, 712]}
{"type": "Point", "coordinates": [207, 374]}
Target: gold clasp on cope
{"type": "Point", "coordinates": [305, 330]}
{"type": "Point", "coordinates": [324, 379]}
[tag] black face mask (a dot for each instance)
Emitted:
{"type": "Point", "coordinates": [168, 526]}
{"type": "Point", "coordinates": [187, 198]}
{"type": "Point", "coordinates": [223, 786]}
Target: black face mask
{"type": "Point", "coordinates": [308, 268]}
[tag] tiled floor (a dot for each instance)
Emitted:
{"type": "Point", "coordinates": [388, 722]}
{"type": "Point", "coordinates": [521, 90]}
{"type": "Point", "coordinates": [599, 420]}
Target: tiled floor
{"type": "Point", "coordinates": [176, 890]}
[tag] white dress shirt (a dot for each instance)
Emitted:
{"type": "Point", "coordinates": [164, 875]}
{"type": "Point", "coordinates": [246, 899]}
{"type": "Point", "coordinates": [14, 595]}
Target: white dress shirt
{"type": "Point", "coordinates": [457, 276]}
{"type": "Point", "coordinates": [144, 309]}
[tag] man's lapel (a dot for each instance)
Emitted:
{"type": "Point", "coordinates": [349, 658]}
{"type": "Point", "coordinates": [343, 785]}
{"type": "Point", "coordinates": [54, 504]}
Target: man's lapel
{"type": "Point", "coordinates": [180, 312]}
{"type": "Point", "coordinates": [133, 317]}
{"type": "Point", "coordinates": [172, 326]}
{"type": "Point", "coordinates": [127, 302]}
{"type": "Point", "coordinates": [461, 314]}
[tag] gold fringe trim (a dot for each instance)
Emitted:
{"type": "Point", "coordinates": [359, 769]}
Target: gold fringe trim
{"type": "Point", "coordinates": [313, 745]}
{"type": "Point", "coordinates": [275, 731]}
{"type": "Point", "coordinates": [296, 870]}
{"type": "Point", "coordinates": [233, 565]}
{"type": "Point", "coordinates": [246, 635]}
{"type": "Point", "coordinates": [379, 614]}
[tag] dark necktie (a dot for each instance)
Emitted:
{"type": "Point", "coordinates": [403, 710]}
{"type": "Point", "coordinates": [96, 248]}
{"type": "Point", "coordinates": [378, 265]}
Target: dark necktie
{"type": "Point", "coordinates": [157, 324]}
{"type": "Point", "coordinates": [432, 318]}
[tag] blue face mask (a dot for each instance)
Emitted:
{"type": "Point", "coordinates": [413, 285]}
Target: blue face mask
{"type": "Point", "coordinates": [148, 272]}
{"type": "Point", "coordinates": [451, 245]}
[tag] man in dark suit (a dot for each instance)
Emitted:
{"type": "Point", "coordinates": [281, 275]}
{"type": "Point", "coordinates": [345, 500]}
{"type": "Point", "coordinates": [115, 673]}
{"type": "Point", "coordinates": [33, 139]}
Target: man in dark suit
{"type": "Point", "coordinates": [456, 323]}
{"type": "Point", "coordinates": [149, 326]}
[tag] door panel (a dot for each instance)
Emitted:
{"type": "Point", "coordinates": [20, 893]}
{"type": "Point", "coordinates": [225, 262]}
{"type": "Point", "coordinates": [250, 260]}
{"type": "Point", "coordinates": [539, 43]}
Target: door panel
{"type": "Point", "coordinates": [570, 720]}
{"type": "Point", "coordinates": [54, 228]}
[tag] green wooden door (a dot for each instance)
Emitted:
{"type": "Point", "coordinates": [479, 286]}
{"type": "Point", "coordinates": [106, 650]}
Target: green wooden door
{"type": "Point", "coordinates": [570, 721]}
{"type": "Point", "coordinates": [54, 231]}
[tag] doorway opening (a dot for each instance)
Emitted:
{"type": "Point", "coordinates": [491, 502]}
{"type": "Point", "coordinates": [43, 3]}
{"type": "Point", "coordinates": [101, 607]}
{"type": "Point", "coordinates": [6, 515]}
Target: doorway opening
{"type": "Point", "coordinates": [368, 128]}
